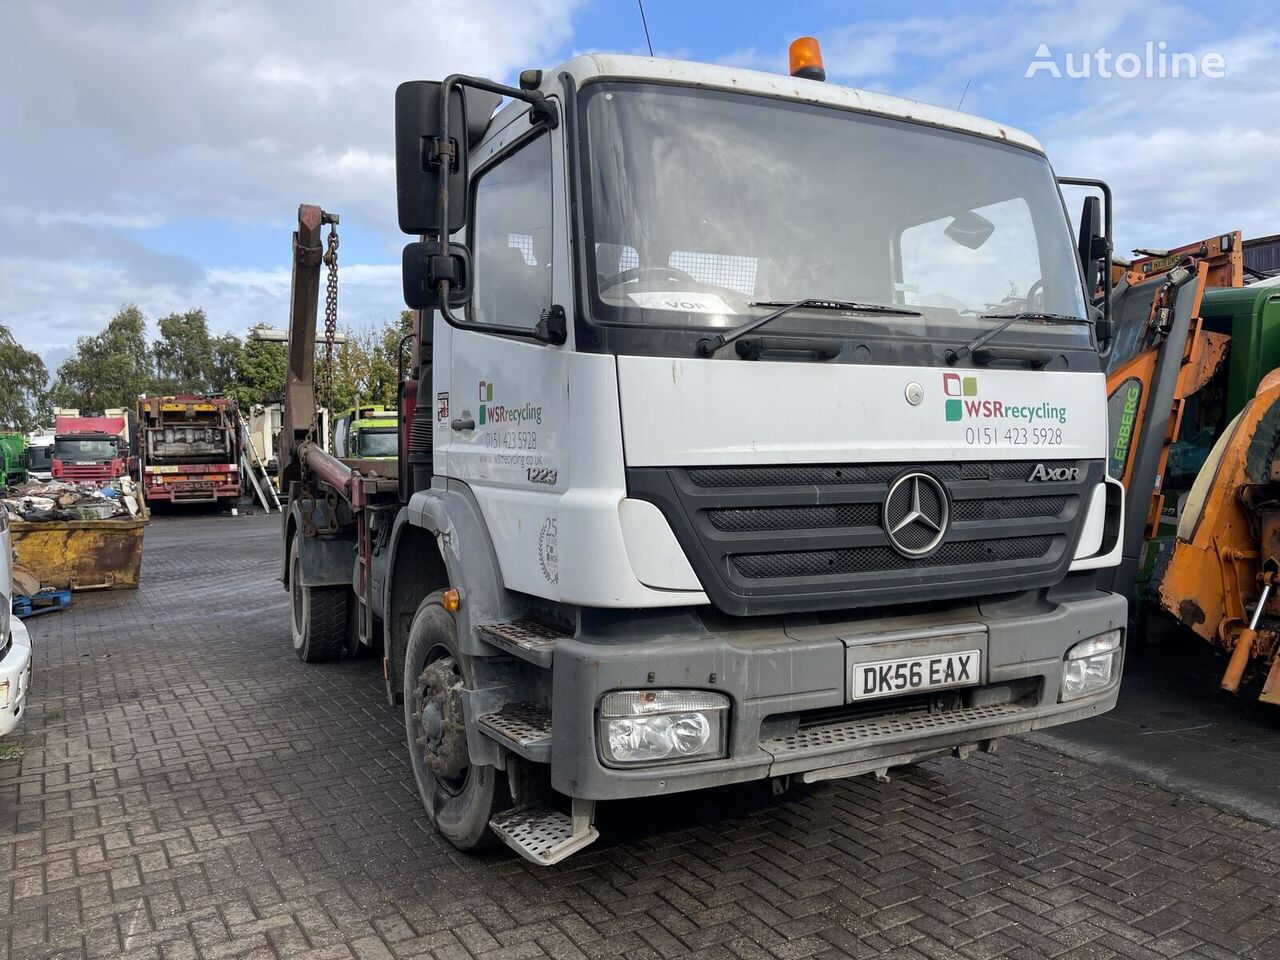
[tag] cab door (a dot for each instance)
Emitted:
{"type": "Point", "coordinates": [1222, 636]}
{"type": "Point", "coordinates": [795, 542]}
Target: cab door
{"type": "Point", "coordinates": [508, 393]}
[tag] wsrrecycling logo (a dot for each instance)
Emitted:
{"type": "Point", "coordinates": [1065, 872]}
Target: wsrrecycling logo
{"type": "Point", "coordinates": [955, 387]}
{"type": "Point", "coordinates": [491, 412]}
{"type": "Point", "coordinates": [962, 401]}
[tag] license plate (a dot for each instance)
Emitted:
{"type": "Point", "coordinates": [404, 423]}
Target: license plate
{"type": "Point", "coordinates": [887, 678]}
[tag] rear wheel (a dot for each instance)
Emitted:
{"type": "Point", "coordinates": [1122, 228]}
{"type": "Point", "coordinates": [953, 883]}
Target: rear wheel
{"type": "Point", "coordinates": [459, 796]}
{"type": "Point", "coordinates": [319, 615]}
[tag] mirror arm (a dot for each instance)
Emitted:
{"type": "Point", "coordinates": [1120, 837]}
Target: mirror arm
{"type": "Point", "coordinates": [1102, 187]}
{"type": "Point", "coordinates": [541, 110]}
{"type": "Point", "coordinates": [445, 312]}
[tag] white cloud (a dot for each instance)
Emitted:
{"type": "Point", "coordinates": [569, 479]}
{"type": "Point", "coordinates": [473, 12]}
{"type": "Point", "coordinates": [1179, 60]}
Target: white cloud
{"type": "Point", "coordinates": [125, 117]}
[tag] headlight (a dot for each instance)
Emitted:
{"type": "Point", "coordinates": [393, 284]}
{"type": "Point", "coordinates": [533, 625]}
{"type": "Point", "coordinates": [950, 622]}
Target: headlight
{"type": "Point", "coordinates": [657, 726]}
{"type": "Point", "coordinates": [1089, 666]}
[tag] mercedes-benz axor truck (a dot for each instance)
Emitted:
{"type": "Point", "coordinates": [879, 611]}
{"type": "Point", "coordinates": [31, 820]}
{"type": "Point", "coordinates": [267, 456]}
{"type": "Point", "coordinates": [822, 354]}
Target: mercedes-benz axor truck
{"type": "Point", "coordinates": [755, 430]}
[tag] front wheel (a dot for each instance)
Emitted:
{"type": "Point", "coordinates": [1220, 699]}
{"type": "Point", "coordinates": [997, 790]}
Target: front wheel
{"type": "Point", "coordinates": [319, 615]}
{"type": "Point", "coordinates": [459, 796]}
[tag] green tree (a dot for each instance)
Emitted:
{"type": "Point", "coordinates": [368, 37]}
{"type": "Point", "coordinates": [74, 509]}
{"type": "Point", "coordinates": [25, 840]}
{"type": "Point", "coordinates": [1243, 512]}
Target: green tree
{"type": "Point", "coordinates": [225, 356]}
{"type": "Point", "coordinates": [258, 370]}
{"type": "Point", "coordinates": [384, 359]}
{"type": "Point", "coordinates": [23, 381]}
{"type": "Point", "coordinates": [109, 369]}
{"type": "Point", "coordinates": [184, 353]}
{"type": "Point", "coordinates": [351, 368]}
{"type": "Point", "coordinates": [189, 360]}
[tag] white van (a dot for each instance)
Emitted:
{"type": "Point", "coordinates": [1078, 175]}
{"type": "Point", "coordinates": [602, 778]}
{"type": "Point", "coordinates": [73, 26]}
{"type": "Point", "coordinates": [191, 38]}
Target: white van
{"type": "Point", "coordinates": [15, 643]}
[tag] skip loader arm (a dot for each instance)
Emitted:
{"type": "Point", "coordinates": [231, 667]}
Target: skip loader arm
{"type": "Point", "coordinates": [304, 297]}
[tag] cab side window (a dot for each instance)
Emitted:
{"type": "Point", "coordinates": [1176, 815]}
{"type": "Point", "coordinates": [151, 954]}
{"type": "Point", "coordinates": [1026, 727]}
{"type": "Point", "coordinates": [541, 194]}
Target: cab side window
{"type": "Point", "coordinates": [511, 238]}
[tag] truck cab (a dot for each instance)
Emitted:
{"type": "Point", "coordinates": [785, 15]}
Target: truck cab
{"type": "Point", "coordinates": [369, 432]}
{"type": "Point", "coordinates": [40, 456]}
{"type": "Point", "coordinates": [766, 440]}
{"type": "Point", "coordinates": [89, 456]}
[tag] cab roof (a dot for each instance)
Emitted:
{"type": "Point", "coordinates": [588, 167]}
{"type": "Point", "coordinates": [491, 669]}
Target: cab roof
{"type": "Point", "coordinates": [714, 76]}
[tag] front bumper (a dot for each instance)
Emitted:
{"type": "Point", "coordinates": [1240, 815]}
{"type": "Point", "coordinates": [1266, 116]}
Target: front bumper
{"type": "Point", "coordinates": [15, 667]}
{"type": "Point", "coordinates": [787, 679]}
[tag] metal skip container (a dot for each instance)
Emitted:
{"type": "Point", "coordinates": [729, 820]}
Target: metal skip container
{"type": "Point", "coordinates": [81, 554]}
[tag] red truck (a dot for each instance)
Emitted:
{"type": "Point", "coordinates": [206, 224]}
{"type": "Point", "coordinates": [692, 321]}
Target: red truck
{"type": "Point", "coordinates": [89, 449]}
{"type": "Point", "coordinates": [190, 449]}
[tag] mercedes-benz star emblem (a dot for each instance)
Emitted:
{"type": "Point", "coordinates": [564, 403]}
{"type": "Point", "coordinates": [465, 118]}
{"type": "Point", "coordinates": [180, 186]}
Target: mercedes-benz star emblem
{"type": "Point", "coordinates": [916, 513]}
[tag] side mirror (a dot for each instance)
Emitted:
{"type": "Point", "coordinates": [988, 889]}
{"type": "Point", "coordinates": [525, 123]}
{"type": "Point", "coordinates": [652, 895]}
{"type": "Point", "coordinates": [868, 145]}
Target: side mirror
{"type": "Point", "coordinates": [422, 268]}
{"type": "Point", "coordinates": [1091, 243]}
{"type": "Point", "coordinates": [421, 154]}
{"type": "Point", "coordinates": [1093, 247]}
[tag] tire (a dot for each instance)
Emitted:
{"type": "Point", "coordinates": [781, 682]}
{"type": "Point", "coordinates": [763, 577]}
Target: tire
{"type": "Point", "coordinates": [459, 796]}
{"type": "Point", "coordinates": [318, 616]}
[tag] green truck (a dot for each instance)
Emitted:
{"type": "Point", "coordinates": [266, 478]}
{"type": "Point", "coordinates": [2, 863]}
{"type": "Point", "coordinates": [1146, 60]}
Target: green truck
{"type": "Point", "coordinates": [1249, 317]}
{"type": "Point", "coordinates": [13, 449]}
{"type": "Point", "coordinates": [366, 432]}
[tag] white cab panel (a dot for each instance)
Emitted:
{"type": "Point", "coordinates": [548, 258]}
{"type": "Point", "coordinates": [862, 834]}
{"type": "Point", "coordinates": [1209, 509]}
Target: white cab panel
{"type": "Point", "coordinates": [655, 555]}
{"type": "Point", "coordinates": [692, 412]}
{"type": "Point", "coordinates": [1098, 506]}
{"type": "Point", "coordinates": [594, 565]}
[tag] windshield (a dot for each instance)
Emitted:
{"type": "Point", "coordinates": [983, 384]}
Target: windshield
{"type": "Point", "coordinates": [39, 458]}
{"type": "Point", "coordinates": [377, 443]}
{"type": "Point", "coordinates": [701, 203]}
{"type": "Point", "coordinates": [84, 449]}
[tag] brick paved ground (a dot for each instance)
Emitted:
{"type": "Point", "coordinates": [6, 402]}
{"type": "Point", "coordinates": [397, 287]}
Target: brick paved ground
{"type": "Point", "coordinates": [189, 790]}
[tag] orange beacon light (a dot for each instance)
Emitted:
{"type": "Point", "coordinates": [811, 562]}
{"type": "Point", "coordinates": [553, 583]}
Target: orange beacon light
{"type": "Point", "coordinates": [806, 59]}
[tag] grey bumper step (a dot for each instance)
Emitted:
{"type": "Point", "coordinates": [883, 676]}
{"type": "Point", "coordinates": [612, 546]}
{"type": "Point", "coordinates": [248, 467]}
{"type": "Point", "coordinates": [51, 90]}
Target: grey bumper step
{"type": "Point", "coordinates": [866, 744]}
{"type": "Point", "coordinates": [522, 727]}
{"type": "Point", "coordinates": [545, 836]}
{"type": "Point", "coordinates": [527, 639]}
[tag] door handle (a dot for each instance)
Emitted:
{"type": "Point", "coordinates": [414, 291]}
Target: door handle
{"type": "Point", "coordinates": [460, 425]}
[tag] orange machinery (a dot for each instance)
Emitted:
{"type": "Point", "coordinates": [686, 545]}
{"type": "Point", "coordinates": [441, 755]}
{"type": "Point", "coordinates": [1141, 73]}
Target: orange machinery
{"type": "Point", "coordinates": [1219, 573]}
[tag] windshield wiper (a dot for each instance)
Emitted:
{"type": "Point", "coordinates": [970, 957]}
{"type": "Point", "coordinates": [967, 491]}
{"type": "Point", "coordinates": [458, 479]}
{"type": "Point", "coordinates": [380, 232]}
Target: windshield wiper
{"type": "Point", "coordinates": [952, 356]}
{"type": "Point", "coordinates": [707, 346]}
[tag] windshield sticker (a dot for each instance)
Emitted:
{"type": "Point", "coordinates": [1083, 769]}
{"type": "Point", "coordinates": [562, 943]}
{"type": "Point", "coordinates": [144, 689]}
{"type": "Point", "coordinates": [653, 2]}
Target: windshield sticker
{"type": "Point", "coordinates": [681, 302]}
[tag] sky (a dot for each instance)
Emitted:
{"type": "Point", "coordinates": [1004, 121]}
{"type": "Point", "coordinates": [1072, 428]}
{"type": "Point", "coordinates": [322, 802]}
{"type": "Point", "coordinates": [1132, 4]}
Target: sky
{"type": "Point", "coordinates": [155, 152]}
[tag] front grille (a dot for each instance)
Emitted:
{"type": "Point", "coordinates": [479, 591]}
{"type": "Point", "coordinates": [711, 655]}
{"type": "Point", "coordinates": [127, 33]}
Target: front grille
{"type": "Point", "coordinates": [827, 474]}
{"type": "Point", "coordinates": [826, 563]}
{"type": "Point", "coordinates": [1021, 508]}
{"type": "Point", "coordinates": [74, 472]}
{"type": "Point", "coordinates": [783, 538]}
{"type": "Point", "coordinates": [794, 518]}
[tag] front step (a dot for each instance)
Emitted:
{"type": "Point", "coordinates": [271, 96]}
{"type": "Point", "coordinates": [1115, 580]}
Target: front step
{"type": "Point", "coordinates": [545, 836]}
{"type": "Point", "coordinates": [524, 728]}
{"type": "Point", "coordinates": [527, 639]}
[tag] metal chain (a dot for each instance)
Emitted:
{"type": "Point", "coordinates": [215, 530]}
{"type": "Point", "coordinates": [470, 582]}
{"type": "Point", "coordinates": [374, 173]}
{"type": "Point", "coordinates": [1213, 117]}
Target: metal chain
{"type": "Point", "coordinates": [324, 383]}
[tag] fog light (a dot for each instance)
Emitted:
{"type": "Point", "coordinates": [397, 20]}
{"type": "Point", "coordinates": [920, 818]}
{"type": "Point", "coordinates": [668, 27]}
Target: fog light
{"type": "Point", "coordinates": [1089, 666]}
{"type": "Point", "coordinates": [656, 726]}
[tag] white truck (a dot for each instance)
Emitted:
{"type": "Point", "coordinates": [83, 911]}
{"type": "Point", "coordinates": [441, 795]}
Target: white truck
{"type": "Point", "coordinates": [754, 429]}
{"type": "Point", "coordinates": [40, 454]}
{"type": "Point", "coordinates": [15, 643]}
